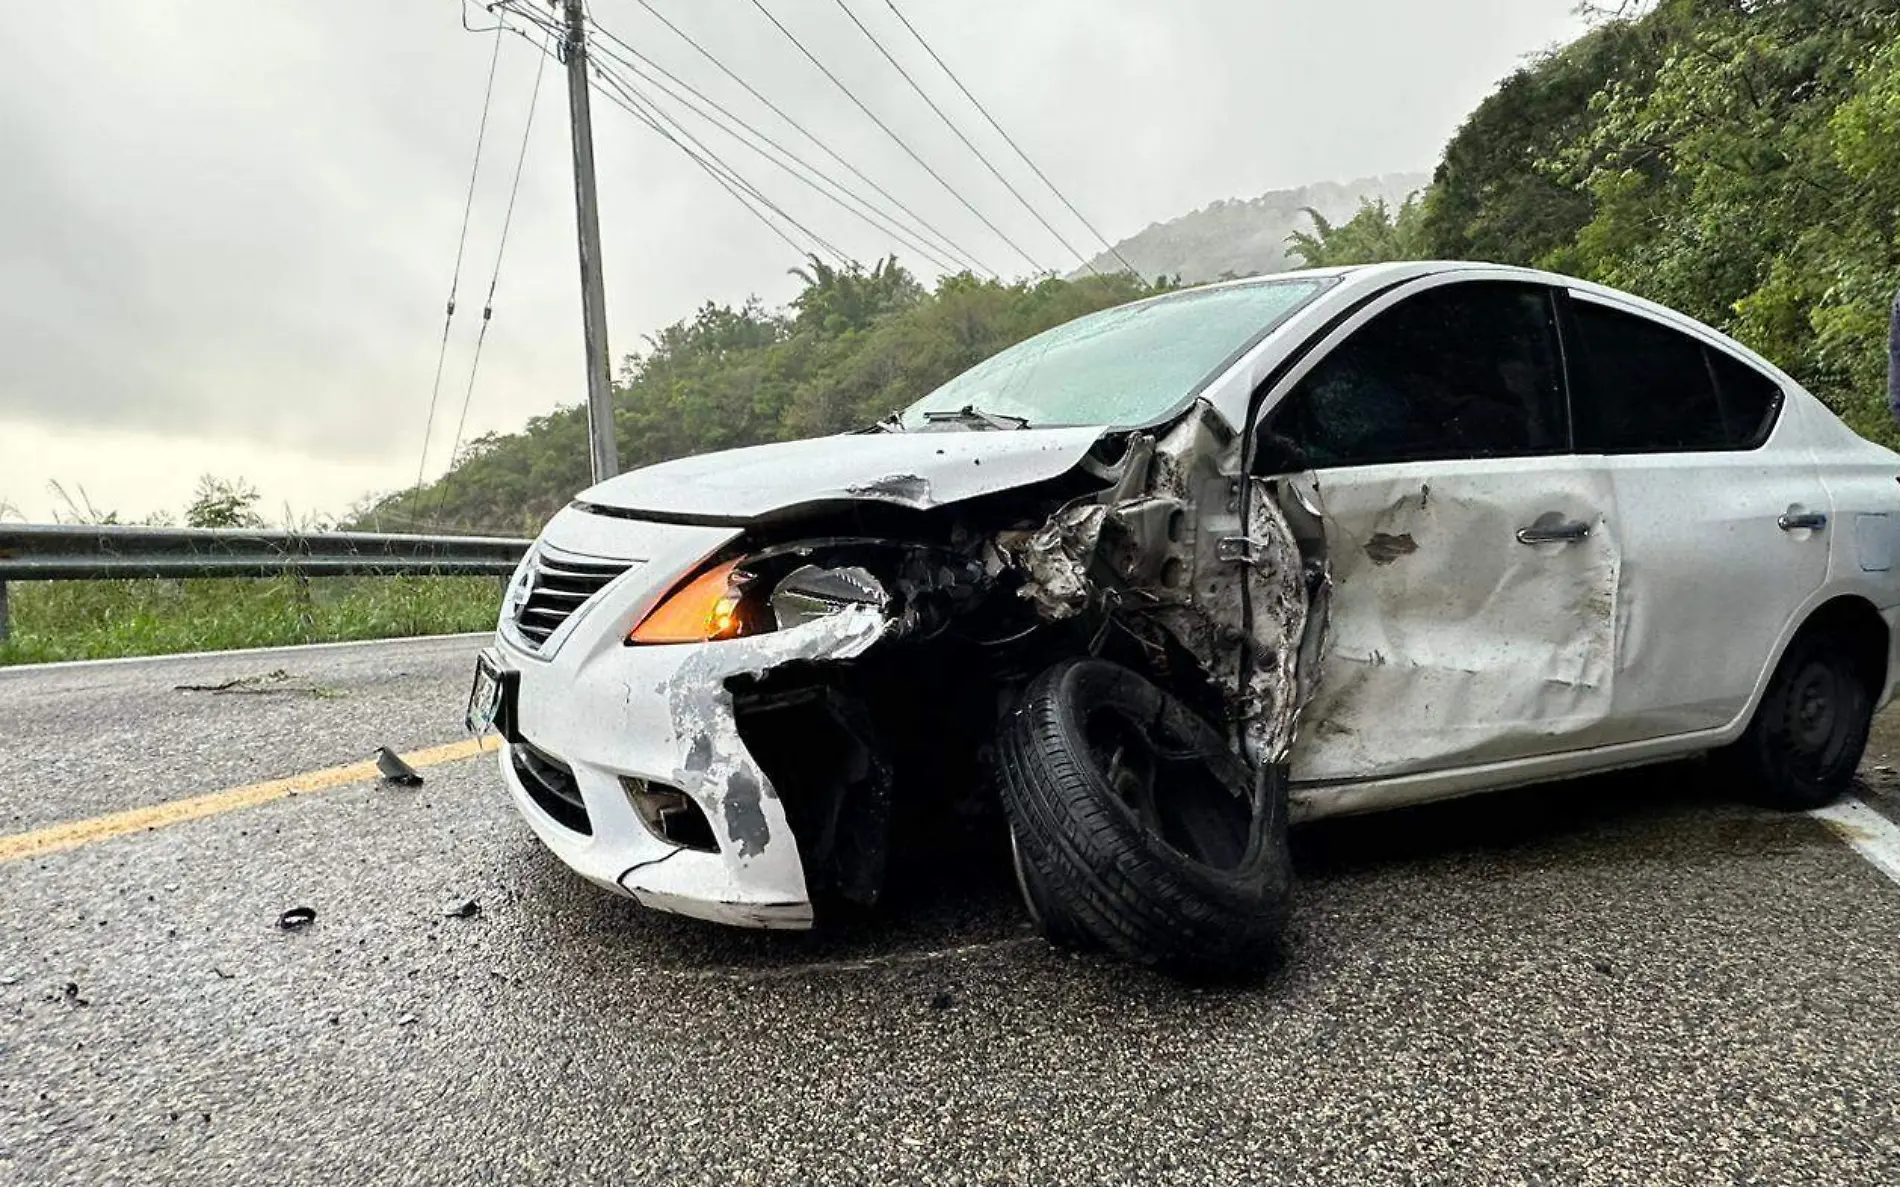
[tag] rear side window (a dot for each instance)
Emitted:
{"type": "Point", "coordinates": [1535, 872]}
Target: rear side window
{"type": "Point", "coordinates": [1749, 400]}
{"type": "Point", "coordinates": [1654, 389]}
{"type": "Point", "coordinates": [1463, 370]}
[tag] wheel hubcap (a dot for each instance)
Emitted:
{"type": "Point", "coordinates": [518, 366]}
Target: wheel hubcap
{"type": "Point", "coordinates": [1815, 707]}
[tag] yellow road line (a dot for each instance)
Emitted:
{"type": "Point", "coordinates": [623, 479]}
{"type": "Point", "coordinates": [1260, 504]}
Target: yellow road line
{"type": "Point", "coordinates": [75, 833]}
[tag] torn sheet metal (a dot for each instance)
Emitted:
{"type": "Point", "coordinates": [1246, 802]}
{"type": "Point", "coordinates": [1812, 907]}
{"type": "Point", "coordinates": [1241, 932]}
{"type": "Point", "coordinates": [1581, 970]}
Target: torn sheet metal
{"type": "Point", "coordinates": [718, 770]}
{"type": "Point", "coordinates": [1450, 642]}
{"type": "Point", "coordinates": [1057, 556]}
{"type": "Point", "coordinates": [1275, 693]}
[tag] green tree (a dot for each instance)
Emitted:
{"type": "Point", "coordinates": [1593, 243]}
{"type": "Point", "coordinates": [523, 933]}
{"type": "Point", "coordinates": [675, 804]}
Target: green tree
{"type": "Point", "coordinates": [223, 503]}
{"type": "Point", "coordinates": [1373, 235]}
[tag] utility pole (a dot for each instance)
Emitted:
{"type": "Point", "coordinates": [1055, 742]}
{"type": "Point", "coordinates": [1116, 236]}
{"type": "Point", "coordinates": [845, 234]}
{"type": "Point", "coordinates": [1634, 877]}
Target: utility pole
{"type": "Point", "coordinates": [600, 405]}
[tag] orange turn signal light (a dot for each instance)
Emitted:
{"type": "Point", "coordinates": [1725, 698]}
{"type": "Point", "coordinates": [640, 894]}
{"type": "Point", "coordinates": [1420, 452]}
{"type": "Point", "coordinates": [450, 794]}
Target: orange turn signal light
{"type": "Point", "coordinates": [704, 609]}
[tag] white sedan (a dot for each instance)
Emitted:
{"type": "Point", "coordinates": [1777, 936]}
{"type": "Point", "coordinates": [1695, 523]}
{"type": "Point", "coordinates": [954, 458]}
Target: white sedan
{"type": "Point", "coordinates": [1169, 576]}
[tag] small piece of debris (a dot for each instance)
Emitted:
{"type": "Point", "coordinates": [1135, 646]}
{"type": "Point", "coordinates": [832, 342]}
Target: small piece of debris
{"type": "Point", "coordinates": [1601, 966]}
{"type": "Point", "coordinates": [467, 910]}
{"type": "Point", "coordinates": [394, 770]}
{"type": "Point", "coordinates": [942, 1001]}
{"type": "Point", "coordinates": [222, 975]}
{"type": "Point", "coordinates": [297, 917]}
{"type": "Point", "coordinates": [70, 992]}
{"type": "Point", "coordinates": [406, 1020]}
{"type": "Point", "coordinates": [276, 681]}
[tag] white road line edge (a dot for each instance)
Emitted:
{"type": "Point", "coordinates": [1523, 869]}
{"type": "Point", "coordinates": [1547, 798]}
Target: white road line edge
{"type": "Point", "coordinates": [254, 652]}
{"type": "Point", "coordinates": [1872, 835]}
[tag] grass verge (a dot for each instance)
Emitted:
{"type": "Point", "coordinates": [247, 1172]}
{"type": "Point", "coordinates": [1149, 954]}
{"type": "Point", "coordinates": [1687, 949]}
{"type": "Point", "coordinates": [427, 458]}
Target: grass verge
{"type": "Point", "coordinates": [65, 620]}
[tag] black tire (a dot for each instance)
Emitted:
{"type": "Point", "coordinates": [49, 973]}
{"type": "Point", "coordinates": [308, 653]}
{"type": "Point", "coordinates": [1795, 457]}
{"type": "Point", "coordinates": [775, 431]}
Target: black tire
{"type": "Point", "coordinates": [1047, 910]}
{"type": "Point", "coordinates": [1196, 880]}
{"type": "Point", "coordinates": [1810, 730]}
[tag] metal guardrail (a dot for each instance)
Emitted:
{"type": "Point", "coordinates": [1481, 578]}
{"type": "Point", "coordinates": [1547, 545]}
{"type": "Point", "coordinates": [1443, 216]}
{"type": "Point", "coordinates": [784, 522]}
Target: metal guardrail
{"type": "Point", "coordinates": [62, 552]}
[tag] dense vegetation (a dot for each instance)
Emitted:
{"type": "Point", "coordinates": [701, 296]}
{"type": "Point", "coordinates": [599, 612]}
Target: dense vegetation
{"type": "Point", "coordinates": [68, 620]}
{"type": "Point", "coordinates": [854, 345]}
{"type": "Point", "coordinates": [1736, 159]}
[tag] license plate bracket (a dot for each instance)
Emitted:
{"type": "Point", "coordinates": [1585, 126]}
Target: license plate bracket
{"type": "Point", "coordinates": [492, 697]}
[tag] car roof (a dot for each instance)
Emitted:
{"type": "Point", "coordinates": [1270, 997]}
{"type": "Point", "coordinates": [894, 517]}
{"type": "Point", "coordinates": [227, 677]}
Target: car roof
{"type": "Point", "coordinates": [1356, 279]}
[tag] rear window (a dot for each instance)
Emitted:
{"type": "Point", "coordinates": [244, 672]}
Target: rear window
{"type": "Point", "coordinates": [1655, 389]}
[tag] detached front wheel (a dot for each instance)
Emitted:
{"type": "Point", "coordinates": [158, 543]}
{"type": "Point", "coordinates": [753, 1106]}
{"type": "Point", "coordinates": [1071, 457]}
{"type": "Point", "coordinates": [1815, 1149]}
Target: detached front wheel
{"type": "Point", "coordinates": [1136, 827]}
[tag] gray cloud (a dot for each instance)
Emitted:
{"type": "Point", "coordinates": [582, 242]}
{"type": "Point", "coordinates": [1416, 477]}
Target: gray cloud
{"type": "Point", "coordinates": [238, 221]}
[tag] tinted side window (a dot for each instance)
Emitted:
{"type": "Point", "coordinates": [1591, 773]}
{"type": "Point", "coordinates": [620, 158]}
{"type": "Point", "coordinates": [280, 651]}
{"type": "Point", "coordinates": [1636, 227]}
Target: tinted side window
{"type": "Point", "coordinates": [1657, 390]}
{"type": "Point", "coordinates": [1750, 400]}
{"type": "Point", "coordinates": [1465, 370]}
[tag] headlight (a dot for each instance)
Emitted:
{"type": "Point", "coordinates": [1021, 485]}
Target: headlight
{"type": "Point", "coordinates": [752, 596]}
{"type": "Point", "coordinates": [518, 587]}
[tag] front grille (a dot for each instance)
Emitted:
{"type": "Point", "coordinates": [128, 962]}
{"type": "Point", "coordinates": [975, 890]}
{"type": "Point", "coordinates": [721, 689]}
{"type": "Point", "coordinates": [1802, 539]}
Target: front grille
{"type": "Point", "coordinates": [550, 784]}
{"type": "Point", "coordinates": [560, 584]}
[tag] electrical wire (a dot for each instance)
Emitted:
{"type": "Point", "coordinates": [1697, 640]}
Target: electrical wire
{"type": "Point", "coordinates": [1007, 139]}
{"type": "Point", "coordinates": [611, 87]}
{"type": "Point", "coordinates": [898, 140]}
{"type": "Point", "coordinates": [461, 245]}
{"type": "Point", "coordinates": [958, 133]}
{"type": "Point", "coordinates": [751, 137]}
{"type": "Point", "coordinates": [629, 99]}
{"type": "Point", "coordinates": [946, 243]}
{"type": "Point", "coordinates": [488, 305]}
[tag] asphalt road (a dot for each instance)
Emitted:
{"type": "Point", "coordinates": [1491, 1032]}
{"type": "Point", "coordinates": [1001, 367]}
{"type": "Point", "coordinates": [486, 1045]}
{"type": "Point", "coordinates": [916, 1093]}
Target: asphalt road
{"type": "Point", "coordinates": [1620, 980]}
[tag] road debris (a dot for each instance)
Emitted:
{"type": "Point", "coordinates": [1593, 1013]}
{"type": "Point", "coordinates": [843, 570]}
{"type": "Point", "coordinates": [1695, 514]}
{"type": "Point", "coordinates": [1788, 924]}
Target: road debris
{"type": "Point", "coordinates": [395, 771]}
{"type": "Point", "coordinates": [296, 917]}
{"type": "Point", "coordinates": [467, 910]}
{"type": "Point", "coordinates": [272, 683]}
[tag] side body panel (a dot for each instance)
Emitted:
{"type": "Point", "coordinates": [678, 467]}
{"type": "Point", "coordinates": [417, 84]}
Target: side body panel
{"type": "Point", "coordinates": [1451, 643]}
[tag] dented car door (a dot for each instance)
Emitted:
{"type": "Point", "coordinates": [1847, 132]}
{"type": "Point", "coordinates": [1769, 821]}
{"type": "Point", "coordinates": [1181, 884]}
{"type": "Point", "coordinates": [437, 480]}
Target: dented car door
{"type": "Point", "coordinates": [1472, 555]}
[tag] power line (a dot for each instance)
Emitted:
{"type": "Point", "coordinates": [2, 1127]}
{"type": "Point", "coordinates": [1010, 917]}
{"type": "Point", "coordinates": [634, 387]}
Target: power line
{"type": "Point", "coordinates": [891, 4]}
{"type": "Point", "coordinates": [461, 245]}
{"type": "Point", "coordinates": [898, 140]}
{"type": "Point", "coordinates": [749, 136]}
{"type": "Point", "coordinates": [958, 132]}
{"type": "Point", "coordinates": [612, 88]}
{"type": "Point", "coordinates": [494, 278]}
{"type": "Point", "coordinates": [948, 244]}
{"type": "Point", "coordinates": [629, 100]}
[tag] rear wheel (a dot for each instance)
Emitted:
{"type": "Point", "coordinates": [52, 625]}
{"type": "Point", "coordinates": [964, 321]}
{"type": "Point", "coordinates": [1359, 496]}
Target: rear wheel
{"type": "Point", "coordinates": [1806, 741]}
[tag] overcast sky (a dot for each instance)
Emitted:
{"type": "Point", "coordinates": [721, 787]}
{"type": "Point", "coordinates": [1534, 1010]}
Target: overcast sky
{"type": "Point", "coordinates": [227, 230]}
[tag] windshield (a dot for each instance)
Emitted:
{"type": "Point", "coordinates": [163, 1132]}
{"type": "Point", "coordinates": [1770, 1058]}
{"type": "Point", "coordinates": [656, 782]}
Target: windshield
{"type": "Point", "coordinates": [1126, 366]}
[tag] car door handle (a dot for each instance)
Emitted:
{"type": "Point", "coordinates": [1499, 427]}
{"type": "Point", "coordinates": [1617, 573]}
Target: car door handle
{"type": "Point", "coordinates": [1795, 521]}
{"type": "Point", "coordinates": [1567, 532]}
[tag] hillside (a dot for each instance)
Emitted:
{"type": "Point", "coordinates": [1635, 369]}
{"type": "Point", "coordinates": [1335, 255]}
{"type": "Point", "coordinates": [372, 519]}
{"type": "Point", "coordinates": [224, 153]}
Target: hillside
{"type": "Point", "coordinates": [1248, 236]}
{"type": "Point", "coordinates": [1738, 162]}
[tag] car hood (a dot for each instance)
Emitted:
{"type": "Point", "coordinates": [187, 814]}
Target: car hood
{"type": "Point", "coordinates": [918, 470]}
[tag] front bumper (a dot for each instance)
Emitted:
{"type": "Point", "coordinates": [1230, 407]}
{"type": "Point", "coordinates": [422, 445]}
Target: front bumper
{"type": "Point", "coordinates": [611, 713]}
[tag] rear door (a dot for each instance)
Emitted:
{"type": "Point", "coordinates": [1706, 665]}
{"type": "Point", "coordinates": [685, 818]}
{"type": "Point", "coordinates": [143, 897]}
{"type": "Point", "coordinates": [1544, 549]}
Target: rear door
{"type": "Point", "coordinates": [1474, 557]}
{"type": "Point", "coordinates": [1725, 522]}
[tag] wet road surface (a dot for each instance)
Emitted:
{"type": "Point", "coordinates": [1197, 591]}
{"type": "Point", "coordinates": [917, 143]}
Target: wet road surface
{"type": "Point", "coordinates": [1618, 980]}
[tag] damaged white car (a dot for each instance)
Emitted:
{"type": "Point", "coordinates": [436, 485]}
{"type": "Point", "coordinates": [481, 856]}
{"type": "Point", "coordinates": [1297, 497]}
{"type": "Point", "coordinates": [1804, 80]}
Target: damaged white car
{"type": "Point", "coordinates": [1170, 576]}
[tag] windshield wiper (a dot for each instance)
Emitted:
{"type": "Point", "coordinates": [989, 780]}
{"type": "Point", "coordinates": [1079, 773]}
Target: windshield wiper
{"type": "Point", "coordinates": [970, 414]}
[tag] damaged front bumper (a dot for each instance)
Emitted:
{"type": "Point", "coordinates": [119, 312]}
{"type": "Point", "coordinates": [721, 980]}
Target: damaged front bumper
{"type": "Point", "coordinates": [627, 762]}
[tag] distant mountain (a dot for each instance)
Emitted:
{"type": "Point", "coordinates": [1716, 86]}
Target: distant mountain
{"type": "Point", "coordinates": [1247, 236]}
